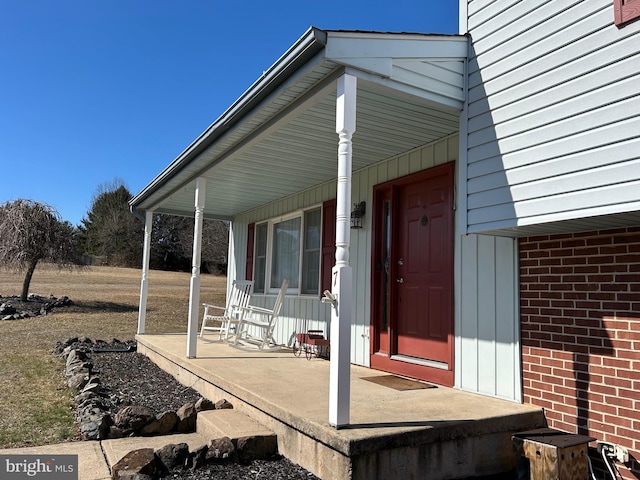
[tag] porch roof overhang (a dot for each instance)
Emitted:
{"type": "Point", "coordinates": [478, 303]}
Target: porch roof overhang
{"type": "Point", "coordinates": [279, 137]}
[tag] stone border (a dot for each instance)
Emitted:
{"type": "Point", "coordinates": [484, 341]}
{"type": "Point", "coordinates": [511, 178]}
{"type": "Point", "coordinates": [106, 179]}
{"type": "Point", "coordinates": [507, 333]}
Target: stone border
{"type": "Point", "coordinates": [12, 308]}
{"type": "Point", "coordinates": [94, 404]}
{"type": "Point", "coordinates": [147, 463]}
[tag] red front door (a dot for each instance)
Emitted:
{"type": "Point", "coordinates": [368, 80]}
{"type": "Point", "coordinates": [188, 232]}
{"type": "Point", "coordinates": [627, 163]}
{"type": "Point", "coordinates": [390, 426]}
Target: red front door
{"type": "Point", "coordinates": [413, 276]}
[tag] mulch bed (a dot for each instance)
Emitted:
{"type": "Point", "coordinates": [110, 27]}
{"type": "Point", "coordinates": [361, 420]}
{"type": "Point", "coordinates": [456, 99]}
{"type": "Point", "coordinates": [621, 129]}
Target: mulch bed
{"type": "Point", "coordinates": [133, 379]}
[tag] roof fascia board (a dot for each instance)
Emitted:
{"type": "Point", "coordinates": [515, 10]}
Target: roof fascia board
{"type": "Point", "coordinates": [307, 46]}
{"type": "Point", "coordinates": [341, 45]}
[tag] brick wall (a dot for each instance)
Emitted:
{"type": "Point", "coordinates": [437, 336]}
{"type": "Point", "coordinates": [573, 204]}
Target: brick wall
{"type": "Point", "coordinates": [580, 313]}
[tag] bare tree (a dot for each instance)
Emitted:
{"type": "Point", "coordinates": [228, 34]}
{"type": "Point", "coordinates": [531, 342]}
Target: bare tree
{"type": "Point", "coordinates": [173, 243]}
{"type": "Point", "coordinates": [31, 232]}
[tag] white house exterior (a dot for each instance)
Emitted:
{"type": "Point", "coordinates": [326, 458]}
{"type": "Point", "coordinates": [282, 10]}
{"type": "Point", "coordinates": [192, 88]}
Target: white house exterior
{"type": "Point", "coordinates": [500, 175]}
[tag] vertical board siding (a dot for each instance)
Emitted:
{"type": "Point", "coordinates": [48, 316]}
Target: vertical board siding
{"type": "Point", "coordinates": [466, 354]}
{"type": "Point", "coordinates": [307, 311]}
{"type": "Point", "coordinates": [553, 112]}
{"type": "Point", "coordinates": [487, 346]}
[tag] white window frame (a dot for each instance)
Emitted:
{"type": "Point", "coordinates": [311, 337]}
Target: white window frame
{"type": "Point", "coordinates": [271, 223]}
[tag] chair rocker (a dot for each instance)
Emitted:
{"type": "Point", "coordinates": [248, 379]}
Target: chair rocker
{"type": "Point", "coordinates": [260, 320]}
{"type": "Point", "coordinates": [229, 316]}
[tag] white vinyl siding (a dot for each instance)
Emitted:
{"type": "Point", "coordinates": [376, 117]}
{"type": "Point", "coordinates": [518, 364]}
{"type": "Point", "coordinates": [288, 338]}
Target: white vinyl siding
{"type": "Point", "coordinates": [553, 114]}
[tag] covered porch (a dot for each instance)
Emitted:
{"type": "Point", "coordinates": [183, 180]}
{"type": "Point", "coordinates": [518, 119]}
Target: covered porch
{"type": "Point", "coordinates": [415, 432]}
{"type": "Point", "coordinates": [289, 146]}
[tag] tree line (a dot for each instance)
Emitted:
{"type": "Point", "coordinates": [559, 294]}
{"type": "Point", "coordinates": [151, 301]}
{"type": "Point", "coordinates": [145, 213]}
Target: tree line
{"type": "Point", "coordinates": [109, 234]}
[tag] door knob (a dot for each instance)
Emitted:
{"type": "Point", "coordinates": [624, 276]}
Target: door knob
{"type": "Point", "coordinates": [400, 280]}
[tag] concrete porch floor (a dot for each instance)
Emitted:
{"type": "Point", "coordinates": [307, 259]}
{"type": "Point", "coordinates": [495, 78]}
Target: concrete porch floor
{"type": "Point", "coordinates": [435, 433]}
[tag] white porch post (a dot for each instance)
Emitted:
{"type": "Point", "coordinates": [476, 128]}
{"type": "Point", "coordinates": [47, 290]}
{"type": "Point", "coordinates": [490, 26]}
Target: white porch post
{"type": "Point", "coordinates": [194, 291]}
{"type": "Point", "coordinates": [144, 283]}
{"type": "Point", "coordinates": [341, 285]}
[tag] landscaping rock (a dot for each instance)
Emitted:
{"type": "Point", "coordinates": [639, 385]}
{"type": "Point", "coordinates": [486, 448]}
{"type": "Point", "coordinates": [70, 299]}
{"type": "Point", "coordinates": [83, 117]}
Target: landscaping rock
{"type": "Point", "coordinates": [78, 381]}
{"type": "Point", "coordinates": [96, 426]}
{"type": "Point", "coordinates": [76, 356]}
{"type": "Point", "coordinates": [131, 419]}
{"type": "Point", "coordinates": [122, 384]}
{"type": "Point", "coordinates": [134, 464]}
{"type": "Point", "coordinates": [7, 309]}
{"type": "Point", "coordinates": [187, 415]}
{"type": "Point", "coordinates": [173, 455]}
{"type": "Point", "coordinates": [198, 458]}
{"type": "Point", "coordinates": [204, 404]}
{"type": "Point", "coordinates": [222, 449]}
{"type": "Point", "coordinates": [222, 404]}
{"type": "Point", "coordinates": [256, 447]}
{"type": "Point", "coordinates": [164, 423]}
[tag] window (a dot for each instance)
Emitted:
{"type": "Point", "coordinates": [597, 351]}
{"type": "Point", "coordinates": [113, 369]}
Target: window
{"type": "Point", "coordinates": [285, 254]}
{"type": "Point", "coordinates": [311, 252]}
{"type": "Point", "coordinates": [625, 10]}
{"type": "Point", "coordinates": [290, 248]}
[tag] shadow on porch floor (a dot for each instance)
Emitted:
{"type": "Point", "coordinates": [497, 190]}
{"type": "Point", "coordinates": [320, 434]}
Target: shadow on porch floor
{"type": "Point", "coordinates": [425, 433]}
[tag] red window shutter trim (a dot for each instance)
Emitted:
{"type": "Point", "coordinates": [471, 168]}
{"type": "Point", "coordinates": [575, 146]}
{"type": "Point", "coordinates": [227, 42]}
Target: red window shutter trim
{"type": "Point", "coordinates": [250, 242]}
{"type": "Point", "coordinates": [625, 10]}
{"type": "Point", "coordinates": [328, 251]}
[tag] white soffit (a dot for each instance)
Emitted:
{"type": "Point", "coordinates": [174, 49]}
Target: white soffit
{"type": "Point", "coordinates": [283, 141]}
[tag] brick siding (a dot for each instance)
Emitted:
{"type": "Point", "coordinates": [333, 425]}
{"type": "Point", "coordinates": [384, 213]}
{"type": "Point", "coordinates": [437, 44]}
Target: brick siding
{"type": "Point", "coordinates": [580, 314]}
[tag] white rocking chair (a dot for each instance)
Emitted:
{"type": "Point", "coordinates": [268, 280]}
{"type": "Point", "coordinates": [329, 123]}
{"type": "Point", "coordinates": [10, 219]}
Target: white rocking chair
{"type": "Point", "coordinates": [230, 315]}
{"type": "Point", "coordinates": [262, 320]}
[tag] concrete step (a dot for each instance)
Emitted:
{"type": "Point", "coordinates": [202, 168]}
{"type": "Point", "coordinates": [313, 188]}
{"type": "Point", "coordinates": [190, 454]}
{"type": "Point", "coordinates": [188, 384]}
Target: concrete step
{"type": "Point", "coordinates": [117, 448]}
{"type": "Point", "coordinates": [229, 423]}
{"type": "Point", "coordinates": [210, 425]}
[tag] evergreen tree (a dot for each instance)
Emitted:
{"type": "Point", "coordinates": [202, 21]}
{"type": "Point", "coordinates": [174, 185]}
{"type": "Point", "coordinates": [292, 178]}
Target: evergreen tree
{"type": "Point", "coordinates": [110, 230]}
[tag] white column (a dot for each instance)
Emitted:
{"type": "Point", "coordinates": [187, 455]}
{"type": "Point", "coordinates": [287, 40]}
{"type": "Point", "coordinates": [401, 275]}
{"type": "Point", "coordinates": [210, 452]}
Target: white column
{"type": "Point", "coordinates": [144, 283]}
{"type": "Point", "coordinates": [194, 291]}
{"type": "Point", "coordinates": [341, 285]}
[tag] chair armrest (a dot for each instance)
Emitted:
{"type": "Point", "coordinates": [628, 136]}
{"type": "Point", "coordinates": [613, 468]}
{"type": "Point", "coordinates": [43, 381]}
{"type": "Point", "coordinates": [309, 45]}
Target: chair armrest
{"type": "Point", "coordinates": [251, 308]}
{"type": "Point", "coordinates": [254, 321]}
{"type": "Point", "coordinates": [206, 305]}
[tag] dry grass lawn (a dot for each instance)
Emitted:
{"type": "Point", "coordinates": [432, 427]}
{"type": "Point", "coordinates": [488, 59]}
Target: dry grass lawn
{"type": "Point", "coordinates": [35, 405]}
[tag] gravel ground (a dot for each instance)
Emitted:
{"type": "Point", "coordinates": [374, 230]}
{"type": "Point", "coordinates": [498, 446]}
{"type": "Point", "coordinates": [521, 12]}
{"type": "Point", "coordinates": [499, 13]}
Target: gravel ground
{"type": "Point", "coordinates": [136, 380]}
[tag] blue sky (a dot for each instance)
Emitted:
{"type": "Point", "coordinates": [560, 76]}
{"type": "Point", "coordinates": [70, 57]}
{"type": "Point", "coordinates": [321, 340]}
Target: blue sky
{"type": "Point", "coordinates": [92, 91]}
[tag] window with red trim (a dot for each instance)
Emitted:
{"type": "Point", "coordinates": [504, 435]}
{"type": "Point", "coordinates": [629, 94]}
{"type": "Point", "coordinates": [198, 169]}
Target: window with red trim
{"type": "Point", "coordinates": [299, 246]}
{"type": "Point", "coordinates": [625, 11]}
